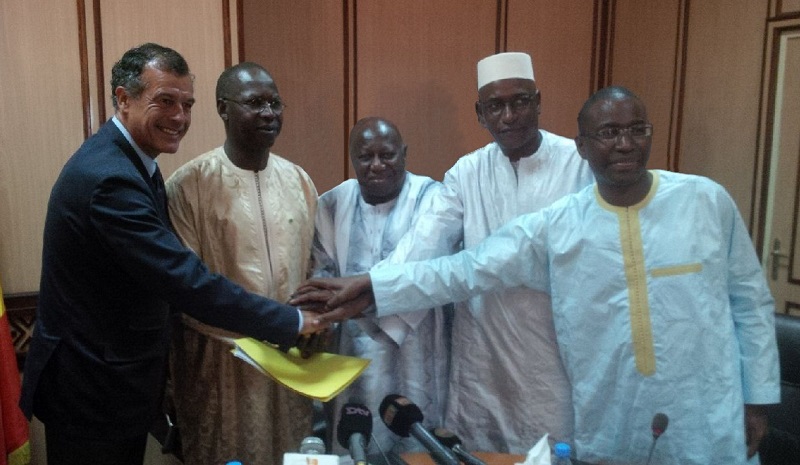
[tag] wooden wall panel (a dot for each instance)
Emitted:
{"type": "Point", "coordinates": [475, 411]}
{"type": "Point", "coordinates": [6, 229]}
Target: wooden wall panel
{"type": "Point", "coordinates": [302, 44]}
{"type": "Point", "coordinates": [412, 61]}
{"type": "Point", "coordinates": [644, 59]}
{"type": "Point", "coordinates": [416, 65]}
{"type": "Point", "coordinates": [46, 89]}
{"type": "Point", "coordinates": [41, 121]}
{"type": "Point", "coordinates": [199, 38]}
{"type": "Point", "coordinates": [558, 35]}
{"type": "Point", "coordinates": [788, 7]}
{"type": "Point", "coordinates": [720, 118]}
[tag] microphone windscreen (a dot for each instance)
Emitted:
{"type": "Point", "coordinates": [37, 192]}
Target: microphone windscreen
{"type": "Point", "coordinates": [355, 418]}
{"type": "Point", "coordinates": [660, 422]}
{"type": "Point", "coordinates": [446, 437]}
{"type": "Point", "coordinates": [399, 413]}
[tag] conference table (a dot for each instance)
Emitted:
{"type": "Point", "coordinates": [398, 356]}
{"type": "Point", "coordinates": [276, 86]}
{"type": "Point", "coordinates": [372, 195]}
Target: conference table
{"type": "Point", "coordinates": [491, 458]}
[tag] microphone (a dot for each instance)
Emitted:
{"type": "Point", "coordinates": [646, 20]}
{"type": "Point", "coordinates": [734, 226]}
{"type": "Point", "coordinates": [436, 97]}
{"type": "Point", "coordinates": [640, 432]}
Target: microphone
{"type": "Point", "coordinates": [355, 427]}
{"type": "Point", "coordinates": [659, 425]}
{"type": "Point", "coordinates": [403, 417]}
{"type": "Point", "coordinates": [450, 440]}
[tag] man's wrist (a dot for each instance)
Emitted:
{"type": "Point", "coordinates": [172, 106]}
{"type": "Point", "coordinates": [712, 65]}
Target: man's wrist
{"type": "Point", "coordinates": [372, 310]}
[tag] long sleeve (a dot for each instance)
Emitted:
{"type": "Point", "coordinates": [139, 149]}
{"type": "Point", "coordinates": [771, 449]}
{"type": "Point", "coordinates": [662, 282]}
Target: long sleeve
{"type": "Point", "coordinates": [516, 255]}
{"type": "Point", "coordinates": [129, 227]}
{"type": "Point", "coordinates": [753, 310]}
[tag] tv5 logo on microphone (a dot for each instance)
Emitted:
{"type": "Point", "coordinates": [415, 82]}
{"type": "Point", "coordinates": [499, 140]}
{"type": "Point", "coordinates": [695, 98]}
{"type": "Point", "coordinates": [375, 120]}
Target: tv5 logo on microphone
{"type": "Point", "coordinates": [350, 409]}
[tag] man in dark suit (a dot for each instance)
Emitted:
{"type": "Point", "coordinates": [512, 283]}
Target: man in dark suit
{"type": "Point", "coordinates": [111, 269]}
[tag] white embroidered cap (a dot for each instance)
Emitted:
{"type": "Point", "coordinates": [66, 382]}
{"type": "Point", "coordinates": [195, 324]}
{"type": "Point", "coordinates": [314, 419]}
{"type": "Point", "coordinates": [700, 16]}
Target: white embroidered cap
{"type": "Point", "coordinates": [509, 65]}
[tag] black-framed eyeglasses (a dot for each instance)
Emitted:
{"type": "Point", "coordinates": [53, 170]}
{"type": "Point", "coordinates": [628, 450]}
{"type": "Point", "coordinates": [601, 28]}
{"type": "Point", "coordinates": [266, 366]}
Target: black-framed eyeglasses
{"type": "Point", "coordinates": [612, 135]}
{"type": "Point", "coordinates": [259, 105]}
{"type": "Point", "coordinates": [495, 107]}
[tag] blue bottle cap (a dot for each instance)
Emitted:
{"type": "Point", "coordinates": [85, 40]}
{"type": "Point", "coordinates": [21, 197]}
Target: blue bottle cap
{"type": "Point", "coordinates": [233, 462]}
{"type": "Point", "coordinates": [562, 450]}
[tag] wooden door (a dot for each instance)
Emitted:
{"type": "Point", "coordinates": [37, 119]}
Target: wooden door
{"type": "Point", "coordinates": [781, 239]}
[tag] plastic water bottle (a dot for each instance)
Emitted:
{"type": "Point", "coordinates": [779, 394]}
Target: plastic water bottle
{"type": "Point", "coordinates": [233, 462]}
{"type": "Point", "coordinates": [562, 453]}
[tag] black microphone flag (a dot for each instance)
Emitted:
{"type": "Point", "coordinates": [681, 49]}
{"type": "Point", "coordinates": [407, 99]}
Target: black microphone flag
{"type": "Point", "coordinates": [404, 418]}
{"type": "Point", "coordinates": [354, 430]}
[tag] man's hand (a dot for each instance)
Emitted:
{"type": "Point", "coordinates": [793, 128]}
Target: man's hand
{"type": "Point", "coordinates": [334, 292]}
{"type": "Point", "coordinates": [314, 307]}
{"type": "Point", "coordinates": [314, 295]}
{"type": "Point", "coordinates": [353, 308]}
{"type": "Point", "coordinates": [755, 426]}
{"type": "Point", "coordinates": [310, 344]}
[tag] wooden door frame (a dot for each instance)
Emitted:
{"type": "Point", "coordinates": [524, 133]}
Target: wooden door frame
{"type": "Point", "coordinates": [766, 126]}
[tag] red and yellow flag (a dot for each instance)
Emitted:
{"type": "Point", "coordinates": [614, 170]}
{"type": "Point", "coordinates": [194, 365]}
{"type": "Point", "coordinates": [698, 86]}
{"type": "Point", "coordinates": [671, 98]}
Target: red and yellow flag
{"type": "Point", "coordinates": [14, 446]}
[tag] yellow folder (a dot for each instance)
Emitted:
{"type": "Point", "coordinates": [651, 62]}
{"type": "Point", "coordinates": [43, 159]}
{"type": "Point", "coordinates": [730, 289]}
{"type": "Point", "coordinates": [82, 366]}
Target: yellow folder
{"type": "Point", "coordinates": [322, 376]}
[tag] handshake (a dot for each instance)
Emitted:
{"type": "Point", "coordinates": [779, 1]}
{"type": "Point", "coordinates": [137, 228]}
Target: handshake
{"type": "Point", "coordinates": [324, 301]}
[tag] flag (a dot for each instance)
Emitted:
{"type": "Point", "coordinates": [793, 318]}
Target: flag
{"type": "Point", "coordinates": [14, 446]}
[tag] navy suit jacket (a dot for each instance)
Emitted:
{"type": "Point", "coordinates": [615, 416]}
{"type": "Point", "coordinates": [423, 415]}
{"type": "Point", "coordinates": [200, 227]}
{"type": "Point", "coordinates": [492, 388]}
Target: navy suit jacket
{"type": "Point", "coordinates": [111, 269]}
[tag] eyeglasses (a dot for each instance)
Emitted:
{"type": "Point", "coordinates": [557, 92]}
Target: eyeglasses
{"type": "Point", "coordinates": [495, 107]}
{"type": "Point", "coordinates": [259, 105]}
{"type": "Point", "coordinates": [384, 157]}
{"type": "Point", "coordinates": [612, 135]}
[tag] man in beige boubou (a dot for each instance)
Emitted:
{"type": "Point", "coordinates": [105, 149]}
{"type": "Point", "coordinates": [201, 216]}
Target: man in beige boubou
{"type": "Point", "coordinates": [249, 214]}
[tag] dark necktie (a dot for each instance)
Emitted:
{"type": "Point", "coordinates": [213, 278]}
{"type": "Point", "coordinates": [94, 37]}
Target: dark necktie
{"type": "Point", "coordinates": [161, 195]}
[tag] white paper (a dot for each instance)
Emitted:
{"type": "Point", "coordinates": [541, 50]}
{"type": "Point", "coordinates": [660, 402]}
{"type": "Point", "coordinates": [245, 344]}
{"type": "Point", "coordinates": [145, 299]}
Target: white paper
{"type": "Point", "coordinates": [539, 454]}
{"type": "Point", "coordinates": [310, 459]}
